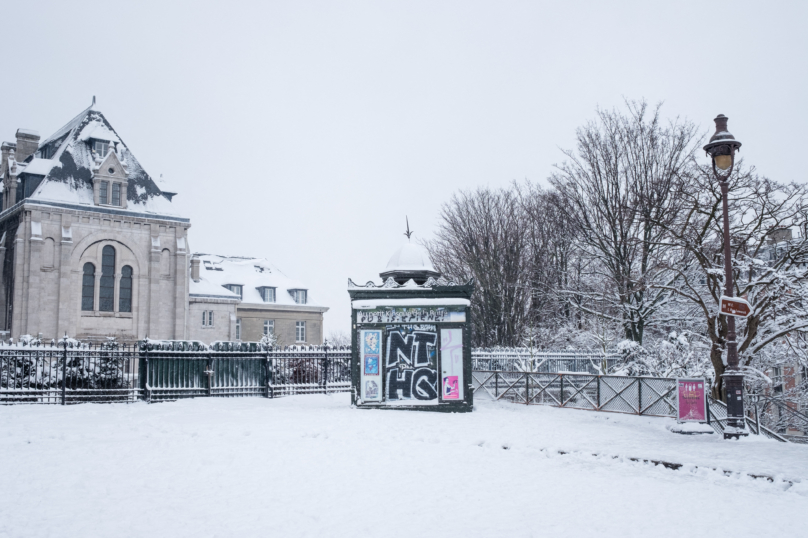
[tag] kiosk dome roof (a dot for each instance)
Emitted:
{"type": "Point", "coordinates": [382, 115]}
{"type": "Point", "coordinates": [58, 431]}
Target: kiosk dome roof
{"type": "Point", "coordinates": [410, 257]}
{"type": "Point", "coordinates": [410, 261]}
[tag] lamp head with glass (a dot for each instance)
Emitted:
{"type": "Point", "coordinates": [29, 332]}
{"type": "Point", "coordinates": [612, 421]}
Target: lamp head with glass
{"type": "Point", "coordinates": [722, 145]}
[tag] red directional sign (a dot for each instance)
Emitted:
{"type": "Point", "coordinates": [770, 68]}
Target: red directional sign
{"type": "Point", "coordinates": [735, 306]}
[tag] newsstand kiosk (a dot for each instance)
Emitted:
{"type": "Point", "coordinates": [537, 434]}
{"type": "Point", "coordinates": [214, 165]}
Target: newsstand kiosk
{"type": "Point", "coordinates": [411, 338]}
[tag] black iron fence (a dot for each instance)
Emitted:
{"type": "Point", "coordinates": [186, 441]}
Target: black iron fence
{"type": "Point", "coordinates": [654, 396]}
{"type": "Point", "coordinates": [71, 372]}
{"type": "Point", "coordinates": [68, 373]}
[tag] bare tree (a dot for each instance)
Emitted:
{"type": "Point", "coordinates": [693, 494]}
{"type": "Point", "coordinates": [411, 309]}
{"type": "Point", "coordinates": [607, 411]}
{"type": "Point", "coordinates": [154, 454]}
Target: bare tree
{"type": "Point", "coordinates": [481, 236]}
{"type": "Point", "coordinates": [770, 267]}
{"type": "Point", "coordinates": [618, 186]}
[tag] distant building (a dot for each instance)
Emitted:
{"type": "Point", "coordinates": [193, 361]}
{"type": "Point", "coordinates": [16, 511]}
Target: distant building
{"type": "Point", "coordinates": [234, 298]}
{"type": "Point", "coordinates": [90, 244]}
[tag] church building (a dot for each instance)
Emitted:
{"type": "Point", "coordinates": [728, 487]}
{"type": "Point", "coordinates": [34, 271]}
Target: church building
{"type": "Point", "coordinates": [90, 244]}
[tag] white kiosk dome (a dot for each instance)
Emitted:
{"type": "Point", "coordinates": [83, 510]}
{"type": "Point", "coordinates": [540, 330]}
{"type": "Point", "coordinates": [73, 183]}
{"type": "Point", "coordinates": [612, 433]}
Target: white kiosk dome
{"type": "Point", "coordinates": [411, 261]}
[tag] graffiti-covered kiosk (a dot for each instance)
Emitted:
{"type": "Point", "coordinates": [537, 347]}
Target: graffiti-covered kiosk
{"type": "Point", "coordinates": [411, 340]}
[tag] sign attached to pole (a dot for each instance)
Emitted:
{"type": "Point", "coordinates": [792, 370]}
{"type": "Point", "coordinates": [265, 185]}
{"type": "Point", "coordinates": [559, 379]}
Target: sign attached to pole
{"type": "Point", "coordinates": [735, 306]}
{"type": "Point", "coordinates": [691, 400]}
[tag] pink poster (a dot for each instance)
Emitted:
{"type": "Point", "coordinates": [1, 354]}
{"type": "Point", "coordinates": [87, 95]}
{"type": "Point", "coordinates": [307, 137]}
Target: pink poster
{"type": "Point", "coordinates": [451, 388]}
{"type": "Point", "coordinates": [691, 400]}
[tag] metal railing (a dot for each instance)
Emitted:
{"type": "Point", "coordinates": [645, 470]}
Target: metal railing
{"type": "Point", "coordinates": [69, 372]}
{"type": "Point", "coordinates": [652, 396]}
{"type": "Point", "coordinates": [72, 372]}
{"type": "Point", "coordinates": [527, 360]}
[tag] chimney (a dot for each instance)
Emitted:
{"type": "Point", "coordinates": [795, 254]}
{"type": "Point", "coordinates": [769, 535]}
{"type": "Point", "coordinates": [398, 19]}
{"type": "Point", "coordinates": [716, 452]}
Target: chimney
{"type": "Point", "coordinates": [27, 143]}
{"type": "Point", "coordinates": [195, 269]}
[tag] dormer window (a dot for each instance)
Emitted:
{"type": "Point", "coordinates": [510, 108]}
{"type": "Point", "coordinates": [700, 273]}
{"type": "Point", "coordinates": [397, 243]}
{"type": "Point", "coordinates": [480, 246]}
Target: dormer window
{"type": "Point", "coordinates": [267, 294]}
{"type": "Point", "coordinates": [235, 288]}
{"type": "Point", "coordinates": [101, 147]}
{"type": "Point", "coordinates": [300, 296]}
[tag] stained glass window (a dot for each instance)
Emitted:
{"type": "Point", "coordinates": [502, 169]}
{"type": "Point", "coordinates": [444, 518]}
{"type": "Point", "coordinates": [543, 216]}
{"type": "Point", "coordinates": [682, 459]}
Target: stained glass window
{"type": "Point", "coordinates": [88, 287]}
{"type": "Point", "coordinates": [125, 301]}
{"type": "Point", "coordinates": [106, 292]}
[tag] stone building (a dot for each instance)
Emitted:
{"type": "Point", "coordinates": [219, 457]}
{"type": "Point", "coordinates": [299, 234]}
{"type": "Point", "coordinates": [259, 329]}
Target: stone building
{"type": "Point", "coordinates": [90, 244]}
{"type": "Point", "coordinates": [234, 298]}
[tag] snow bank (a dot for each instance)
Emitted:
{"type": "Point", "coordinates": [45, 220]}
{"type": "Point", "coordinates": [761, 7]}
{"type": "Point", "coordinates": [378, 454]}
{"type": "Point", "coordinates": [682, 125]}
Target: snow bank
{"type": "Point", "coordinates": [311, 466]}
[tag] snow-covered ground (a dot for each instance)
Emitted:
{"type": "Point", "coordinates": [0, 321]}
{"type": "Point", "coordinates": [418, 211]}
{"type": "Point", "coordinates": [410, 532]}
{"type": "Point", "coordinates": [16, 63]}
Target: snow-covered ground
{"type": "Point", "coordinates": [311, 466]}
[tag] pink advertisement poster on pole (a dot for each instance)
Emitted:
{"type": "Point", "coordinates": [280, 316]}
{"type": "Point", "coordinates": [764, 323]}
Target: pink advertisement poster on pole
{"type": "Point", "coordinates": [691, 400]}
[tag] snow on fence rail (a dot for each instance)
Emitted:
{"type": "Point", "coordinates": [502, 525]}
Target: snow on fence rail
{"type": "Point", "coordinates": [653, 396]}
{"type": "Point", "coordinates": [73, 372]}
{"type": "Point", "coordinates": [528, 360]}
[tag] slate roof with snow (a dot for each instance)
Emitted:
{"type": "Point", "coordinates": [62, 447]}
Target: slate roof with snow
{"type": "Point", "coordinates": [251, 274]}
{"type": "Point", "coordinates": [67, 174]}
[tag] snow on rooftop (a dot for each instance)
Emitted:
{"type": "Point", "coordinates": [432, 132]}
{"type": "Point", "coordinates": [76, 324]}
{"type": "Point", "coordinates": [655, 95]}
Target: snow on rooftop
{"type": "Point", "coordinates": [40, 167]}
{"type": "Point", "coordinates": [97, 130]}
{"type": "Point", "coordinates": [207, 288]}
{"type": "Point", "coordinates": [410, 257]}
{"type": "Point", "coordinates": [70, 178]}
{"type": "Point", "coordinates": [250, 274]}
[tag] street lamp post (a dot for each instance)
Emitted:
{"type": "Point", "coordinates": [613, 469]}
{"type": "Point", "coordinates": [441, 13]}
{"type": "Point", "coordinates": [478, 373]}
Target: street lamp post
{"type": "Point", "coordinates": [722, 147]}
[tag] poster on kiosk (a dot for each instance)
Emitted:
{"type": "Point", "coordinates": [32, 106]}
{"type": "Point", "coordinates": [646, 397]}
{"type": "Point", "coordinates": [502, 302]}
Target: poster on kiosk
{"type": "Point", "coordinates": [411, 337]}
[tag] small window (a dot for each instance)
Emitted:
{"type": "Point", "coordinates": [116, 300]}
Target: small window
{"type": "Point", "coordinates": [125, 300]}
{"type": "Point", "coordinates": [101, 147]}
{"type": "Point", "coordinates": [300, 331]}
{"type": "Point", "coordinates": [116, 194]}
{"type": "Point", "coordinates": [103, 193]}
{"type": "Point", "coordinates": [300, 296]}
{"type": "Point", "coordinates": [204, 318]}
{"type": "Point", "coordinates": [235, 288]}
{"type": "Point", "coordinates": [238, 328]}
{"type": "Point", "coordinates": [269, 327]}
{"type": "Point", "coordinates": [106, 292]}
{"type": "Point", "coordinates": [88, 287]}
{"type": "Point", "coordinates": [268, 295]}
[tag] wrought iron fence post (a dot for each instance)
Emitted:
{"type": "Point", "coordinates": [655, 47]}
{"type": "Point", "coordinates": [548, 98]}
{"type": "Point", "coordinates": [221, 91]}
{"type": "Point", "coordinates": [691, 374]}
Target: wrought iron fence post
{"type": "Point", "coordinates": [64, 371]}
{"type": "Point", "coordinates": [527, 388]}
{"type": "Point", "coordinates": [266, 370]}
{"type": "Point", "coordinates": [598, 392]}
{"type": "Point", "coordinates": [639, 396]}
{"type": "Point", "coordinates": [146, 391]}
{"type": "Point", "coordinates": [496, 385]}
{"type": "Point", "coordinates": [325, 367]}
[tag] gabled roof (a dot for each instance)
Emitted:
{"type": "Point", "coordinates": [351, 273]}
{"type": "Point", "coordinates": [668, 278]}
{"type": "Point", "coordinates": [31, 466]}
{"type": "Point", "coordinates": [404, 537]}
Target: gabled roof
{"type": "Point", "coordinates": [68, 174]}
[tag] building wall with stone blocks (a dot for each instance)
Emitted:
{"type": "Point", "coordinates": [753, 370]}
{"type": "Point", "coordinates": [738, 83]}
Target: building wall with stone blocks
{"type": "Point", "coordinates": [284, 321]}
{"type": "Point", "coordinates": [52, 246]}
{"type": "Point", "coordinates": [224, 319]}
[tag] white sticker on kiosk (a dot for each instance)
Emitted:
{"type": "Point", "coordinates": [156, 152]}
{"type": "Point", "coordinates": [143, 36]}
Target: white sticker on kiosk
{"type": "Point", "coordinates": [451, 359]}
{"type": "Point", "coordinates": [370, 345]}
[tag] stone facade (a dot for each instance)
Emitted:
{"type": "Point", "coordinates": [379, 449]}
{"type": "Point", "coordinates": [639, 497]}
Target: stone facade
{"type": "Point", "coordinates": [67, 202]}
{"type": "Point", "coordinates": [90, 247]}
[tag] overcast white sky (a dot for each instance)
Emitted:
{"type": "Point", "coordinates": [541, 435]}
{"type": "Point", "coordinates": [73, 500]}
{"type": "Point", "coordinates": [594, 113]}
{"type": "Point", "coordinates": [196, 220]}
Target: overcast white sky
{"type": "Point", "coordinates": [305, 131]}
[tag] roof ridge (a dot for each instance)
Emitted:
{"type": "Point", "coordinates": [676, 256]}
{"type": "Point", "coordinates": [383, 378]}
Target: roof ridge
{"type": "Point", "coordinates": [67, 127]}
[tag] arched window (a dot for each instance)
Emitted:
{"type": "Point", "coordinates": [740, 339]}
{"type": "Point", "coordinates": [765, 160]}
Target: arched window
{"type": "Point", "coordinates": [106, 295]}
{"type": "Point", "coordinates": [165, 262]}
{"type": "Point", "coordinates": [88, 287]}
{"type": "Point", "coordinates": [47, 253]}
{"type": "Point", "coordinates": [125, 292]}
